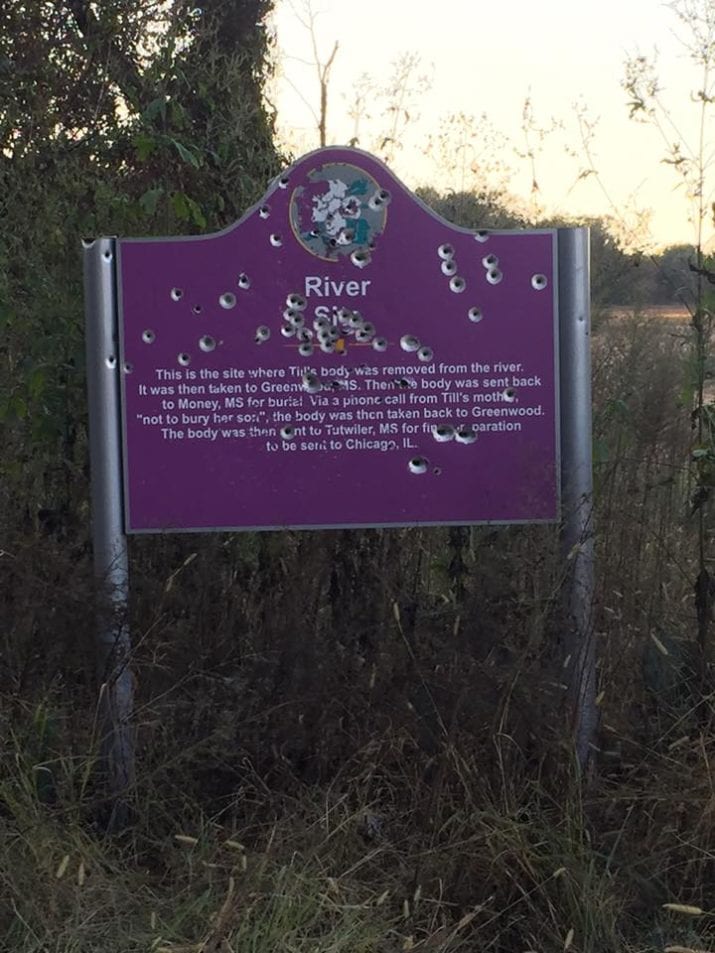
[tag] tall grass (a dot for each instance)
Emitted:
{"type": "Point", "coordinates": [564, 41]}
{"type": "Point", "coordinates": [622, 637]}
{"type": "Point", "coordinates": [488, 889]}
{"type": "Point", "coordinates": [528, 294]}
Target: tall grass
{"type": "Point", "coordinates": [356, 741]}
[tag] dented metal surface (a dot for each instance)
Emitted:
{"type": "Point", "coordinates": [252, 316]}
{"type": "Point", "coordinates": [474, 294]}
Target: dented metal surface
{"type": "Point", "coordinates": [340, 357]}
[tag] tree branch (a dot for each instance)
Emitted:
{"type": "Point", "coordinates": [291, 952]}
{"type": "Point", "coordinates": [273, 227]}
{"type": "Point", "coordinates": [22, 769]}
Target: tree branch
{"type": "Point", "coordinates": [98, 40]}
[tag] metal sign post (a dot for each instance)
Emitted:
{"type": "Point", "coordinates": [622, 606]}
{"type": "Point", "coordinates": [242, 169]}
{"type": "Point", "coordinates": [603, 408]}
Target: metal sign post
{"type": "Point", "coordinates": [341, 357]}
{"type": "Point", "coordinates": [577, 483]}
{"type": "Point", "coordinates": [108, 539]}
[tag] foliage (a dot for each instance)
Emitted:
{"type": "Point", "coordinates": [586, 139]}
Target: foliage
{"type": "Point", "coordinates": [692, 162]}
{"type": "Point", "coordinates": [115, 118]}
{"type": "Point", "coordinates": [362, 732]}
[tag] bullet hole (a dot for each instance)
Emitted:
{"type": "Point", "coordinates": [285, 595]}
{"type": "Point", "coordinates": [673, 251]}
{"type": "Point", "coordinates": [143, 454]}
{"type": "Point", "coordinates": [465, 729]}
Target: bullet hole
{"type": "Point", "coordinates": [355, 321]}
{"type": "Point", "coordinates": [305, 349]}
{"type": "Point", "coordinates": [346, 236]}
{"type": "Point", "coordinates": [176, 294]}
{"type": "Point", "coordinates": [465, 435]}
{"type": "Point", "coordinates": [509, 395]}
{"type": "Point", "coordinates": [369, 328]}
{"type": "Point", "coordinates": [207, 343]}
{"type": "Point", "coordinates": [437, 471]}
{"type": "Point", "coordinates": [321, 324]}
{"type": "Point", "coordinates": [283, 182]}
{"type": "Point", "coordinates": [408, 342]}
{"type": "Point", "coordinates": [425, 354]}
{"type": "Point", "coordinates": [184, 359]}
{"type": "Point", "coordinates": [287, 432]}
{"type": "Point", "coordinates": [449, 267]}
{"type": "Point", "coordinates": [264, 211]}
{"type": "Point", "coordinates": [244, 281]}
{"type": "Point", "coordinates": [197, 309]}
{"type": "Point", "coordinates": [418, 465]}
{"type": "Point", "coordinates": [327, 347]}
{"type": "Point", "coordinates": [276, 240]}
{"type": "Point", "coordinates": [442, 433]}
{"type": "Point", "coordinates": [296, 301]}
{"type": "Point", "coordinates": [263, 333]}
{"type": "Point", "coordinates": [107, 255]}
{"type": "Point", "coordinates": [379, 198]}
{"type": "Point", "coordinates": [482, 235]}
{"type": "Point", "coordinates": [494, 276]}
{"type": "Point", "coordinates": [446, 251]}
{"type": "Point", "coordinates": [128, 367]}
{"type": "Point", "coordinates": [148, 336]}
{"type": "Point", "coordinates": [310, 382]}
{"type": "Point", "coordinates": [287, 331]}
{"type": "Point", "coordinates": [111, 362]}
{"type": "Point", "coordinates": [227, 300]}
{"type": "Point", "coordinates": [360, 258]}
{"type": "Point", "coordinates": [304, 334]}
{"type": "Point", "coordinates": [475, 315]}
{"type": "Point", "coordinates": [403, 383]}
{"type": "Point", "coordinates": [324, 336]}
{"type": "Point", "coordinates": [380, 344]}
{"type": "Point", "coordinates": [343, 314]}
{"type": "Point", "coordinates": [490, 261]}
{"type": "Point", "coordinates": [539, 282]}
{"type": "Point", "coordinates": [457, 284]}
{"type": "Point", "coordinates": [296, 320]}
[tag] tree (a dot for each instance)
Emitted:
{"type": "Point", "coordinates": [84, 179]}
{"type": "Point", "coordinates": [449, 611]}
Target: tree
{"type": "Point", "coordinates": [117, 117]}
{"type": "Point", "coordinates": [692, 162]}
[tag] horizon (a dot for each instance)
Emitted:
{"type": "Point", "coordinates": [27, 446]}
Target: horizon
{"type": "Point", "coordinates": [558, 149]}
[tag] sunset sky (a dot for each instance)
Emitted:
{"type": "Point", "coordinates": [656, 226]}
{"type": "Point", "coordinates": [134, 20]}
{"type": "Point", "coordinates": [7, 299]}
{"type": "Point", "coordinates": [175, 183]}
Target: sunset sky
{"type": "Point", "coordinates": [485, 61]}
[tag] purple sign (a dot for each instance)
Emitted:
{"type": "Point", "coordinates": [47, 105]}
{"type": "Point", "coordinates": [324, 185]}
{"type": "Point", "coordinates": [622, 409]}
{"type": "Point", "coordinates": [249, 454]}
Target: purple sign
{"type": "Point", "coordinates": [340, 357]}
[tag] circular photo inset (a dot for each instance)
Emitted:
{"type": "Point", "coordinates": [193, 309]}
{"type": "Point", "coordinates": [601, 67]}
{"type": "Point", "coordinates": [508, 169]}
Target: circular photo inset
{"type": "Point", "coordinates": [341, 209]}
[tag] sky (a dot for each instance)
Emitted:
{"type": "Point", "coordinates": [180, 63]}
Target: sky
{"type": "Point", "coordinates": [485, 61]}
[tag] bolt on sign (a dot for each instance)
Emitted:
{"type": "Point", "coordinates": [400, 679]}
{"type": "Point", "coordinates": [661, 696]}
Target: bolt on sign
{"type": "Point", "coordinates": [342, 356]}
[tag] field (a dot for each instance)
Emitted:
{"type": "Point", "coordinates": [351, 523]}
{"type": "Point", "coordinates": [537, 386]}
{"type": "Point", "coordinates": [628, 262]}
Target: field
{"type": "Point", "coordinates": [358, 741]}
{"type": "Point", "coordinates": [659, 312]}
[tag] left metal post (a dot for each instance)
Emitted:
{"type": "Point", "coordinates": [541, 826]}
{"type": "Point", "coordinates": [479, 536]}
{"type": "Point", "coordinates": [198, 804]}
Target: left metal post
{"type": "Point", "coordinates": [109, 541]}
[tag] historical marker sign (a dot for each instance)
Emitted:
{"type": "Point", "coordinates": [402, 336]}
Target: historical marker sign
{"type": "Point", "coordinates": [340, 357]}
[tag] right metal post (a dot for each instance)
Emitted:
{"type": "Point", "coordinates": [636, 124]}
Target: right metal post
{"type": "Point", "coordinates": [577, 531]}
